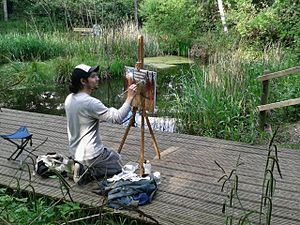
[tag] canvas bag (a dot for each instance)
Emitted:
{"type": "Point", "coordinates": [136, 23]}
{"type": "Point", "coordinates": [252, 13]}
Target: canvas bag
{"type": "Point", "coordinates": [47, 165]}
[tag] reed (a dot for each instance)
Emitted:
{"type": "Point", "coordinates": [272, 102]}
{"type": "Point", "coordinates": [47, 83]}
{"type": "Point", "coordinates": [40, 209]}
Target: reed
{"type": "Point", "coordinates": [26, 47]}
{"type": "Point", "coordinates": [232, 207]}
{"type": "Point", "coordinates": [114, 48]}
{"type": "Point", "coordinates": [219, 100]}
{"type": "Point", "coordinates": [230, 187]}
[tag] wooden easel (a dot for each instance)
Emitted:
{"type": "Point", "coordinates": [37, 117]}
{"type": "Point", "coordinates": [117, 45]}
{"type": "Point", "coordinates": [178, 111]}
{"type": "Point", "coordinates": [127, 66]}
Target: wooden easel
{"type": "Point", "coordinates": [139, 65]}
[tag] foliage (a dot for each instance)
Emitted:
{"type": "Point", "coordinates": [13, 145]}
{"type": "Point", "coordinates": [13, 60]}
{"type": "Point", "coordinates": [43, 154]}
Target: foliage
{"type": "Point", "coordinates": [210, 102]}
{"type": "Point", "coordinates": [287, 20]}
{"type": "Point", "coordinates": [265, 21]}
{"type": "Point", "coordinates": [18, 209]}
{"type": "Point", "coordinates": [172, 21]}
{"type": "Point", "coordinates": [175, 23]}
{"type": "Point", "coordinates": [212, 42]}
{"type": "Point", "coordinates": [77, 13]}
{"type": "Point", "coordinates": [63, 70]}
{"type": "Point", "coordinates": [21, 208]}
{"type": "Point", "coordinates": [231, 187]}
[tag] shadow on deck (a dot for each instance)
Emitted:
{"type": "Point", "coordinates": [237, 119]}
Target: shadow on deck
{"type": "Point", "coordinates": [189, 192]}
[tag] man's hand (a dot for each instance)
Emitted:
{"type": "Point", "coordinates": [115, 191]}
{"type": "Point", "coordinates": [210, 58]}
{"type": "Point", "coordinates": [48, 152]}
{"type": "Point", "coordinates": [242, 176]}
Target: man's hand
{"type": "Point", "coordinates": [131, 93]}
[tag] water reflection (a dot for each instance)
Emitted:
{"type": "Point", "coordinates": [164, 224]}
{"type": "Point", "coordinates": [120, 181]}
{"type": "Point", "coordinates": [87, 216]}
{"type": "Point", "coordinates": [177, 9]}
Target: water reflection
{"type": "Point", "coordinates": [50, 99]}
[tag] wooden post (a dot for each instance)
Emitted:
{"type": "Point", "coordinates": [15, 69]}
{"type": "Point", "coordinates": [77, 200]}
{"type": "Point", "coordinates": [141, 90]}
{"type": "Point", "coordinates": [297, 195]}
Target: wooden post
{"type": "Point", "coordinates": [264, 101]}
{"type": "Point", "coordinates": [142, 150]}
{"type": "Point", "coordinates": [139, 65]}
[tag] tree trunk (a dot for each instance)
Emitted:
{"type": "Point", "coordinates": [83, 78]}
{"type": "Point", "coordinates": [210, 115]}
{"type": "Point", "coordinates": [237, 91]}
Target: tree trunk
{"type": "Point", "coordinates": [5, 12]}
{"type": "Point", "coordinates": [222, 14]}
{"type": "Point", "coordinates": [136, 7]}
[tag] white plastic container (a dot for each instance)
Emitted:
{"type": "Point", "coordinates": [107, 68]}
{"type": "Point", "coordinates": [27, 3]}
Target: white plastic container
{"type": "Point", "coordinates": [147, 167]}
{"type": "Point", "coordinates": [156, 176]}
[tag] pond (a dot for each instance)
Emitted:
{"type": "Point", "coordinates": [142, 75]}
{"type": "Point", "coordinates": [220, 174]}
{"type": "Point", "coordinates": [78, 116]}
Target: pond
{"type": "Point", "coordinates": [50, 99]}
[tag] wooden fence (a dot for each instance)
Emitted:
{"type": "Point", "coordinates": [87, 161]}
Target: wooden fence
{"type": "Point", "coordinates": [265, 106]}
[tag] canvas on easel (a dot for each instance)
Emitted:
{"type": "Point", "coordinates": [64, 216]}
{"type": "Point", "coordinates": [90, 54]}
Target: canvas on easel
{"type": "Point", "coordinates": [146, 87]}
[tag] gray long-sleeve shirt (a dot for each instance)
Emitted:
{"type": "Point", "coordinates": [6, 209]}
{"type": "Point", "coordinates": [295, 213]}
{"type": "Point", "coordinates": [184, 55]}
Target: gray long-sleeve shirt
{"type": "Point", "coordinates": [84, 113]}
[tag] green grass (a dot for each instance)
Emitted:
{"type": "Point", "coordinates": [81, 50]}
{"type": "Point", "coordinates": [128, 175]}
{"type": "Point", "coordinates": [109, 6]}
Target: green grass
{"type": "Point", "coordinates": [295, 146]}
{"type": "Point", "coordinates": [25, 208]}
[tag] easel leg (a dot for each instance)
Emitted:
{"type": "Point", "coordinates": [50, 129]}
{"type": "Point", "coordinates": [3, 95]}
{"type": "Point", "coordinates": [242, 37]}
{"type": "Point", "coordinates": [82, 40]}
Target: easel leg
{"type": "Point", "coordinates": [142, 156]}
{"type": "Point", "coordinates": [153, 138]}
{"type": "Point", "coordinates": [127, 129]}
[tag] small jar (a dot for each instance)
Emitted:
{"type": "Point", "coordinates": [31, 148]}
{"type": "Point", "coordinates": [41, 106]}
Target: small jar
{"type": "Point", "coordinates": [147, 167]}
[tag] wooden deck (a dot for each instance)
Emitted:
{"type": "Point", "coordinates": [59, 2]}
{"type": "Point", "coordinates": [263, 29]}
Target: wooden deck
{"type": "Point", "coordinates": [189, 192]}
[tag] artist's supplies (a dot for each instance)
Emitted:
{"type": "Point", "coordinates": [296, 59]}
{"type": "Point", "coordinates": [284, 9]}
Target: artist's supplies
{"type": "Point", "coordinates": [147, 167]}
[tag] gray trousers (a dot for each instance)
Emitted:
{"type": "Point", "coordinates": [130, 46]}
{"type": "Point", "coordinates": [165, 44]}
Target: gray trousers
{"type": "Point", "coordinates": [107, 164]}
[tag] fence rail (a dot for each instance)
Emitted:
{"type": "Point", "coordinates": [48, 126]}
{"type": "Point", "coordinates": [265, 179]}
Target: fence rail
{"type": "Point", "coordinates": [264, 105]}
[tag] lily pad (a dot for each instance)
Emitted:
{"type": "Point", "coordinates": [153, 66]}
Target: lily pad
{"type": "Point", "coordinates": [164, 62]}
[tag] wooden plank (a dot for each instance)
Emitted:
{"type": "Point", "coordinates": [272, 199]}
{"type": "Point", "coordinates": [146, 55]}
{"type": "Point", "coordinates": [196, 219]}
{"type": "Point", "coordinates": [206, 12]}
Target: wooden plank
{"type": "Point", "coordinates": [83, 29]}
{"type": "Point", "coordinates": [58, 123]}
{"type": "Point", "coordinates": [281, 104]}
{"type": "Point", "coordinates": [279, 74]}
{"type": "Point", "coordinates": [264, 101]}
{"type": "Point", "coordinates": [57, 136]}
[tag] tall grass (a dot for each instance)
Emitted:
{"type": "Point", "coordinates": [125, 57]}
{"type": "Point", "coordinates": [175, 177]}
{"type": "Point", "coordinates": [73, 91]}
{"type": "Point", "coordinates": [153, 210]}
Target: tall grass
{"type": "Point", "coordinates": [35, 62]}
{"type": "Point", "coordinates": [114, 48]}
{"type": "Point", "coordinates": [220, 100]}
{"type": "Point", "coordinates": [28, 47]}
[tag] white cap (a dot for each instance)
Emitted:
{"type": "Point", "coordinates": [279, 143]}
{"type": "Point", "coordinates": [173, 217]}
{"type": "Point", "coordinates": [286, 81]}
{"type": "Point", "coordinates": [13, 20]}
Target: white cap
{"type": "Point", "coordinates": [87, 69]}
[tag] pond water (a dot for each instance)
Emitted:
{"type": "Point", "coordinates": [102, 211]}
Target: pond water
{"type": "Point", "coordinates": [50, 99]}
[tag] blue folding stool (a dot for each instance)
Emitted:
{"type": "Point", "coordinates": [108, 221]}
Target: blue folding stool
{"type": "Point", "coordinates": [21, 134]}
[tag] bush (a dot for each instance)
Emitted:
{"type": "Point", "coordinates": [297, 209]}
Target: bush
{"type": "Point", "coordinates": [165, 18]}
{"type": "Point", "coordinates": [265, 22]}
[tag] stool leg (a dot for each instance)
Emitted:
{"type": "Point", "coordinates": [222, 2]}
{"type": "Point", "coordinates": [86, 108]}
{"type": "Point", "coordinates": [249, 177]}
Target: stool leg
{"type": "Point", "coordinates": [18, 152]}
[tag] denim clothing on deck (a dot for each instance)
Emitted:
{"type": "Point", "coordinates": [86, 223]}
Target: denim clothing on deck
{"type": "Point", "coordinates": [126, 192]}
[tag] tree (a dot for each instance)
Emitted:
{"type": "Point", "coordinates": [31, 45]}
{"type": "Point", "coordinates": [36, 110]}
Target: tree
{"type": "Point", "coordinates": [222, 14]}
{"type": "Point", "coordinates": [171, 21]}
{"type": "Point", "coordinates": [5, 12]}
{"type": "Point", "coordinates": [136, 6]}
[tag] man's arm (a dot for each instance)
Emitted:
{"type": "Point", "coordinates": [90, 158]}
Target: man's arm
{"type": "Point", "coordinates": [118, 115]}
